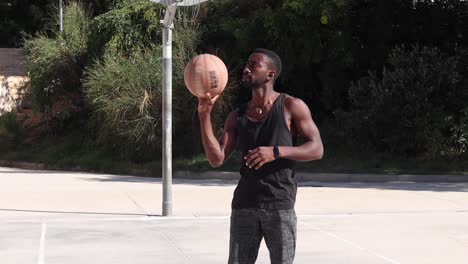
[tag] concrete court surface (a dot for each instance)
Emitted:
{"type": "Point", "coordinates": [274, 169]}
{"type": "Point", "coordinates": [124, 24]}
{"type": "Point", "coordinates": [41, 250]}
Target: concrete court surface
{"type": "Point", "coordinates": [74, 218]}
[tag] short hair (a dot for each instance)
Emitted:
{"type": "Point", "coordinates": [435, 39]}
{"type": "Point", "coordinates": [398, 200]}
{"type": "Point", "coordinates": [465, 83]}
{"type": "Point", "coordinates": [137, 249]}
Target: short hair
{"type": "Point", "coordinates": [274, 58]}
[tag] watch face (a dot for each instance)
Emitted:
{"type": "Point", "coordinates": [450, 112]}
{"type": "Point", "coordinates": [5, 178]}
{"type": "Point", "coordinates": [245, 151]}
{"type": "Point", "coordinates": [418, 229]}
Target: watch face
{"type": "Point", "coordinates": [276, 151]}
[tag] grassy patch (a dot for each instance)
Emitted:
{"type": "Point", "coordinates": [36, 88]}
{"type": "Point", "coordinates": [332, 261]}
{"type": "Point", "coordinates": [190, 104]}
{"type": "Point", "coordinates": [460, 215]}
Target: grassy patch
{"type": "Point", "coordinates": [359, 161]}
{"type": "Point", "coordinates": [346, 161]}
{"type": "Point", "coordinates": [76, 152]}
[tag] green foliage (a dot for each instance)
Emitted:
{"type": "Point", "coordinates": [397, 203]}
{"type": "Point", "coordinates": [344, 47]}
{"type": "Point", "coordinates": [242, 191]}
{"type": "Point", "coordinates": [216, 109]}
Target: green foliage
{"type": "Point", "coordinates": [18, 16]}
{"type": "Point", "coordinates": [298, 30]}
{"type": "Point", "coordinates": [126, 94]}
{"type": "Point", "coordinates": [44, 55]}
{"type": "Point", "coordinates": [129, 27]}
{"type": "Point", "coordinates": [10, 130]}
{"type": "Point", "coordinates": [56, 63]}
{"type": "Point", "coordinates": [76, 29]}
{"type": "Point", "coordinates": [124, 87]}
{"type": "Point", "coordinates": [367, 31]}
{"type": "Point", "coordinates": [418, 106]}
{"type": "Point", "coordinates": [325, 45]}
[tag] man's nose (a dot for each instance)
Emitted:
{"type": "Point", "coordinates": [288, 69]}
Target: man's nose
{"type": "Point", "coordinates": [246, 70]}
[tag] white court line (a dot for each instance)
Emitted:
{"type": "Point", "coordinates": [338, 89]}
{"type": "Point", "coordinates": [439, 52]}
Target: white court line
{"type": "Point", "coordinates": [353, 244]}
{"type": "Point", "coordinates": [42, 244]}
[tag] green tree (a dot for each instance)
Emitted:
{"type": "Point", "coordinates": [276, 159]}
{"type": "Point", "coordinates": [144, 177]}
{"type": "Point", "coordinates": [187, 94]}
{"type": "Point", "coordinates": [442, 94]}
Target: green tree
{"type": "Point", "coordinates": [56, 63]}
{"type": "Point", "coordinates": [296, 29]}
{"type": "Point", "coordinates": [124, 87]}
{"type": "Point", "coordinates": [417, 107]}
{"type": "Point", "coordinates": [19, 17]}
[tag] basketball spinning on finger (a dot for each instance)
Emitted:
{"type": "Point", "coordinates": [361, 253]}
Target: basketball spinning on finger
{"type": "Point", "coordinates": [204, 74]}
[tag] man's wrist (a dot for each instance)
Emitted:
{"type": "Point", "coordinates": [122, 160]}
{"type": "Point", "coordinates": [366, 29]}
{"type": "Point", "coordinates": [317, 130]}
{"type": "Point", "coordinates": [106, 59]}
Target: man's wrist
{"type": "Point", "coordinates": [276, 152]}
{"type": "Point", "coordinates": [204, 114]}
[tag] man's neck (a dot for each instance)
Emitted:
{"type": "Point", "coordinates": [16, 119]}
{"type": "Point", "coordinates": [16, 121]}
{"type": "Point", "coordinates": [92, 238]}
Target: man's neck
{"type": "Point", "coordinates": [263, 96]}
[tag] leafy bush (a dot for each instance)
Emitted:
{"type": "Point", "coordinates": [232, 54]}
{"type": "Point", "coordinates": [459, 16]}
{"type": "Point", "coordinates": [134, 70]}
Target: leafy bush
{"type": "Point", "coordinates": [417, 106]}
{"type": "Point", "coordinates": [130, 26]}
{"type": "Point", "coordinates": [126, 93]}
{"type": "Point", "coordinates": [76, 29]}
{"type": "Point", "coordinates": [10, 130]}
{"type": "Point", "coordinates": [298, 30]}
{"type": "Point", "coordinates": [56, 63]}
{"type": "Point", "coordinates": [43, 58]}
{"type": "Point", "coordinates": [124, 87]}
{"type": "Point", "coordinates": [19, 16]}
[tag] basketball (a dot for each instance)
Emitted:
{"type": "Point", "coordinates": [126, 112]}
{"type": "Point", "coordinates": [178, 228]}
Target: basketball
{"type": "Point", "coordinates": [205, 73]}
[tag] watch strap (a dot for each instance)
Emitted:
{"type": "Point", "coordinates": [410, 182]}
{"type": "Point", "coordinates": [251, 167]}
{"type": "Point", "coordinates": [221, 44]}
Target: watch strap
{"type": "Point", "coordinates": [276, 152]}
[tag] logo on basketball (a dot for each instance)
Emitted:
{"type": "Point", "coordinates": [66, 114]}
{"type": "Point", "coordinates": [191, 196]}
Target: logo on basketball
{"type": "Point", "coordinates": [214, 82]}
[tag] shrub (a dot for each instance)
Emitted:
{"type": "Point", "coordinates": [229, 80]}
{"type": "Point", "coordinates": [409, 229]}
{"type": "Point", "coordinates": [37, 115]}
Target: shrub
{"type": "Point", "coordinates": [417, 106]}
{"type": "Point", "coordinates": [125, 93]}
{"type": "Point", "coordinates": [124, 87]}
{"type": "Point", "coordinates": [56, 63]}
{"type": "Point", "coordinates": [10, 130]}
{"type": "Point", "coordinates": [130, 26]}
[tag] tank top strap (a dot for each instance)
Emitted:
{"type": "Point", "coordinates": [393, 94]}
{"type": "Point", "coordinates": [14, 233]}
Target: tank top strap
{"type": "Point", "coordinates": [280, 104]}
{"type": "Point", "coordinates": [241, 110]}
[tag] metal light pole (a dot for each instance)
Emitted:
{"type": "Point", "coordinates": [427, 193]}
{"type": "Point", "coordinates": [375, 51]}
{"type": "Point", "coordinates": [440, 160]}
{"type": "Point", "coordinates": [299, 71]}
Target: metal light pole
{"type": "Point", "coordinates": [167, 27]}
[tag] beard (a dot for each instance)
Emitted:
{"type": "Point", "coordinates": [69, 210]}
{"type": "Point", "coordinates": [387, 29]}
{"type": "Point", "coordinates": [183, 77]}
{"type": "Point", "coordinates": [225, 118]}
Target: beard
{"type": "Point", "coordinates": [250, 83]}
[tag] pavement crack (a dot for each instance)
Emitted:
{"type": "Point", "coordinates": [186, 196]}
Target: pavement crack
{"type": "Point", "coordinates": [174, 244]}
{"type": "Point", "coordinates": [137, 204]}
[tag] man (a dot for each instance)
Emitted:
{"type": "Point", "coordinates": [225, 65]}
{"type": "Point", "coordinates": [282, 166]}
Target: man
{"type": "Point", "coordinates": [264, 130]}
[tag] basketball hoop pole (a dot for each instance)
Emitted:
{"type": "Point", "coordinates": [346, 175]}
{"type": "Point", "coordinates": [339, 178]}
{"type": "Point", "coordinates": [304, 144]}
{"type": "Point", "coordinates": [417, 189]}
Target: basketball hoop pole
{"type": "Point", "coordinates": [167, 26]}
{"type": "Point", "coordinates": [167, 121]}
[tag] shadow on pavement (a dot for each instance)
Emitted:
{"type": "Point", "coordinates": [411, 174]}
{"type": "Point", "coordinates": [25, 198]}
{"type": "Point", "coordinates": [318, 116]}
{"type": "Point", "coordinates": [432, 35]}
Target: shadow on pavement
{"type": "Point", "coordinates": [406, 186]}
{"type": "Point", "coordinates": [130, 179]}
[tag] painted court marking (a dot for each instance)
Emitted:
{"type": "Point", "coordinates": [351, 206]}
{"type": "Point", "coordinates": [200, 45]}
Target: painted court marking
{"type": "Point", "coordinates": [42, 244]}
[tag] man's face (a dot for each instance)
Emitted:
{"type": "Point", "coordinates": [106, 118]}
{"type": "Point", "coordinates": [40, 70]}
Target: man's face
{"type": "Point", "coordinates": [257, 71]}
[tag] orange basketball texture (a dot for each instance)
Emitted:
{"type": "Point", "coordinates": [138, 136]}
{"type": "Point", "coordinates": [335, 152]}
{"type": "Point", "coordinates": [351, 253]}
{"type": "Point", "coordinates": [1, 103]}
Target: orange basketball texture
{"type": "Point", "coordinates": [205, 73]}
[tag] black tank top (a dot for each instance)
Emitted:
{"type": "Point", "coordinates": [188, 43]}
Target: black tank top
{"type": "Point", "coordinates": [273, 186]}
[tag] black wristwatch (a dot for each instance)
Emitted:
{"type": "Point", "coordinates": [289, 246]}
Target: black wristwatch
{"type": "Point", "coordinates": [276, 152]}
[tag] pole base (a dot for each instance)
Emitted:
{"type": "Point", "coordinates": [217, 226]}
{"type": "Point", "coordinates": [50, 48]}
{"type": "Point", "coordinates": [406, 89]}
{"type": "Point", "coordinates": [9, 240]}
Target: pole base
{"type": "Point", "coordinates": [167, 209]}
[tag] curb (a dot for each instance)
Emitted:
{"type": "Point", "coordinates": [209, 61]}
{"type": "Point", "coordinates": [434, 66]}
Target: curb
{"type": "Point", "coordinates": [23, 165]}
{"type": "Point", "coordinates": [331, 177]}
{"type": "Point", "coordinates": [301, 176]}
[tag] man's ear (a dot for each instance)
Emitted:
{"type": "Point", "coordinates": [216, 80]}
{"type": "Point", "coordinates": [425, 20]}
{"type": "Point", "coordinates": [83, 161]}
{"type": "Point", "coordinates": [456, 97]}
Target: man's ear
{"type": "Point", "coordinates": [271, 75]}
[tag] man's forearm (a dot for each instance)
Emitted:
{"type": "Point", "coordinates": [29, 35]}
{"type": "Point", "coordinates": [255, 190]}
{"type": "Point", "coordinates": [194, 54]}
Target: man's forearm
{"type": "Point", "coordinates": [211, 145]}
{"type": "Point", "coordinates": [306, 152]}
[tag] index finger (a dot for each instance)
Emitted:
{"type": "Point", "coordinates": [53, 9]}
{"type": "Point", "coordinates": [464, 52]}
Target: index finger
{"type": "Point", "coordinates": [251, 152]}
{"type": "Point", "coordinates": [205, 96]}
{"type": "Point", "coordinates": [214, 98]}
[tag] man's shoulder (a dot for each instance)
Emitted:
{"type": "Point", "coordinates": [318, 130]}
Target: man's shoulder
{"type": "Point", "coordinates": [292, 102]}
